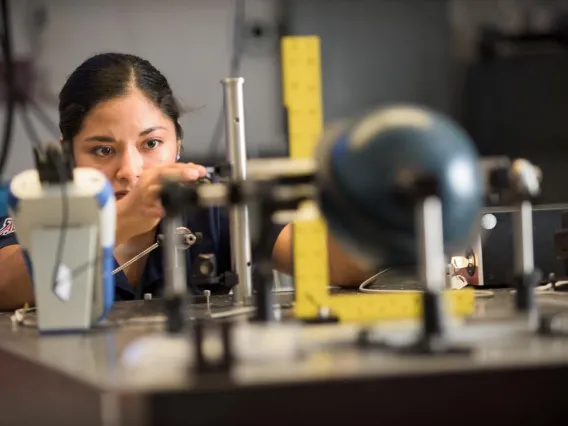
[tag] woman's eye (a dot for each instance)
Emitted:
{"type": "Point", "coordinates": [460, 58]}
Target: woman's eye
{"type": "Point", "coordinates": [102, 151]}
{"type": "Point", "coordinates": [152, 143]}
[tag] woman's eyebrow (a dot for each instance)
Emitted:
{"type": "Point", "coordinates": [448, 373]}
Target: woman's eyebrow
{"type": "Point", "coordinates": [100, 138]}
{"type": "Point", "coordinates": [110, 139]}
{"type": "Point", "coordinates": [150, 130]}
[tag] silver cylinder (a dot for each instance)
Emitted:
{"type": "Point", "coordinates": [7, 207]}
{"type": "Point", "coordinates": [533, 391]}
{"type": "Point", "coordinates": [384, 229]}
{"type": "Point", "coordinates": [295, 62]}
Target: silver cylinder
{"type": "Point", "coordinates": [431, 259]}
{"type": "Point", "coordinates": [478, 253]}
{"type": "Point", "coordinates": [174, 269]}
{"type": "Point", "coordinates": [523, 239]}
{"type": "Point", "coordinates": [238, 215]}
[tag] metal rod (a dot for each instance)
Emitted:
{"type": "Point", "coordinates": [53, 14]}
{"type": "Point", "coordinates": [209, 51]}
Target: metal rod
{"type": "Point", "coordinates": [239, 218]}
{"type": "Point", "coordinates": [431, 259]}
{"type": "Point", "coordinates": [523, 239]}
{"type": "Point", "coordinates": [525, 274]}
{"type": "Point", "coordinates": [135, 258]}
{"type": "Point", "coordinates": [478, 257]}
{"type": "Point", "coordinates": [432, 270]}
{"type": "Point", "coordinates": [174, 271]}
{"type": "Point", "coordinates": [188, 239]}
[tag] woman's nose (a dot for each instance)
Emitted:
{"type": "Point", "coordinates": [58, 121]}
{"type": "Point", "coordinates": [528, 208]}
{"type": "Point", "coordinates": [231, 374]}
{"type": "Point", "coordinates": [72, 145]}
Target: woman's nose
{"type": "Point", "coordinates": [131, 166]}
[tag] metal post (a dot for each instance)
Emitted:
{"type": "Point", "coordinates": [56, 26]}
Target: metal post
{"type": "Point", "coordinates": [478, 256]}
{"type": "Point", "coordinates": [237, 157]}
{"type": "Point", "coordinates": [431, 259]}
{"type": "Point", "coordinates": [525, 273]}
{"type": "Point", "coordinates": [523, 239]}
{"type": "Point", "coordinates": [175, 275]}
{"type": "Point", "coordinates": [432, 269]}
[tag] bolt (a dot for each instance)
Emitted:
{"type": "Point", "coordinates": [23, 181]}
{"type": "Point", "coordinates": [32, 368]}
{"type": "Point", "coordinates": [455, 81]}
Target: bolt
{"type": "Point", "coordinates": [190, 239]}
{"type": "Point", "coordinates": [207, 294]}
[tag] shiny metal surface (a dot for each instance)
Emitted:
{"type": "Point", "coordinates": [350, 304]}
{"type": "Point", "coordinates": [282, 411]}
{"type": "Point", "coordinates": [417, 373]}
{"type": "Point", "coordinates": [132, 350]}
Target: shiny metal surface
{"type": "Point", "coordinates": [523, 239]}
{"type": "Point", "coordinates": [239, 215]}
{"type": "Point", "coordinates": [94, 357]}
{"type": "Point", "coordinates": [174, 261]}
{"type": "Point", "coordinates": [526, 178]}
{"type": "Point", "coordinates": [478, 253]}
{"type": "Point", "coordinates": [188, 239]}
{"type": "Point", "coordinates": [135, 258]}
{"type": "Point", "coordinates": [88, 370]}
{"type": "Point", "coordinates": [431, 244]}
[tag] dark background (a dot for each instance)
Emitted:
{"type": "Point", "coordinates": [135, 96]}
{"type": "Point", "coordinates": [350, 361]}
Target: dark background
{"type": "Point", "coordinates": [503, 76]}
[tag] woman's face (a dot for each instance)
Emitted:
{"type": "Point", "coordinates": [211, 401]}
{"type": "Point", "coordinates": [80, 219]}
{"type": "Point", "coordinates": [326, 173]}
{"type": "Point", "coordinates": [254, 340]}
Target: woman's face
{"type": "Point", "coordinates": [123, 137]}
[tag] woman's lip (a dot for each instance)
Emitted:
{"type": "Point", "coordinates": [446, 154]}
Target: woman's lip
{"type": "Point", "coordinates": [119, 195]}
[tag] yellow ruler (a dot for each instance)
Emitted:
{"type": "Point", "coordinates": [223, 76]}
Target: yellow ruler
{"type": "Point", "coordinates": [301, 74]}
{"type": "Point", "coordinates": [302, 92]}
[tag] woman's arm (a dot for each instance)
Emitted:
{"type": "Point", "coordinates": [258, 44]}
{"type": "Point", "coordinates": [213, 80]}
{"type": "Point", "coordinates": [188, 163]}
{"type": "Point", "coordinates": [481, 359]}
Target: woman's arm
{"type": "Point", "coordinates": [16, 287]}
{"type": "Point", "coordinates": [344, 269]}
{"type": "Point", "coordinates": [15, 284]}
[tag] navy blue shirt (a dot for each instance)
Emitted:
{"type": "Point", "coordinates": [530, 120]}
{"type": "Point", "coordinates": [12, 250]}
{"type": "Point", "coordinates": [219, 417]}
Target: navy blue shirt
{"type": "Point", "coordinates": [212, 223]}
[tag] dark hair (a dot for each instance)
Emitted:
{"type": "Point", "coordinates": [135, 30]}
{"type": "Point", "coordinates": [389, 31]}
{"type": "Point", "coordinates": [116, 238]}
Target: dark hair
{"type": "Point", "coordinates": [106, 76]}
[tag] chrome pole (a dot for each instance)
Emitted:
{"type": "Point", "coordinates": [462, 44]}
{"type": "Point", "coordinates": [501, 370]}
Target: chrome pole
{"type": "Point", "coordinates": [237, 159]}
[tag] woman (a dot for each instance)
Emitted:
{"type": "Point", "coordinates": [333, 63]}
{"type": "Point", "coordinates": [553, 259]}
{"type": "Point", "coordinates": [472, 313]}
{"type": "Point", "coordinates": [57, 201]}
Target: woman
{"type": "Point", "coordinates": [118, 114]}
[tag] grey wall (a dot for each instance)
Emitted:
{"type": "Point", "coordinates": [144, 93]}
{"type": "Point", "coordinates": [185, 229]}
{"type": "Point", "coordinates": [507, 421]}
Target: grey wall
{"type": "Point", "coordinates": [516, 104]}
{"type": "Point", "coordinates": [190, 41]}
{"type": "Point", "coordinates": [376, 51]}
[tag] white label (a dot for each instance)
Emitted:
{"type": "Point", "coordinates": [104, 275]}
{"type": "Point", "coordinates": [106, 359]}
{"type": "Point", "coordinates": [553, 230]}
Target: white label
{"type": "Point", "coordinates": [64, 281]}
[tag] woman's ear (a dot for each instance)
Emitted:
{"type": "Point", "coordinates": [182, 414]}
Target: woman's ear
{"type": "Point", "coordinates": [179, 150]}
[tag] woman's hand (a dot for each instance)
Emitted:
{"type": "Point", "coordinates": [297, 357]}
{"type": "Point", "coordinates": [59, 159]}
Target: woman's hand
{"type": "Point", "coordinates": [140, 210]}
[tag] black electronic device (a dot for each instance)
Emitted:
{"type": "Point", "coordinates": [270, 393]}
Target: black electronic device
{"type": "Point", "coordinates": [497, 246]}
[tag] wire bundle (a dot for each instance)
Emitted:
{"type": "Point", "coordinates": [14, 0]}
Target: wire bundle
{"type": "Point", "coordinates": [17, 97]}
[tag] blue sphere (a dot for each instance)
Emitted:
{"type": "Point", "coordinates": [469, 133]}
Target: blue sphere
{"type": "Point", "coordinates": [361, 162]}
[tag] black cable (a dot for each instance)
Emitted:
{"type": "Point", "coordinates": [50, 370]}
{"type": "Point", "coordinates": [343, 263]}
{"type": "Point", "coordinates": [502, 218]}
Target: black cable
{"type": "Point", "coordinates": [30, 130]}
{"type": "Point", "coordinates": [36, 141]}
{"type": "Point", "coordinates": [234, 69]}
{"type": "Point", "coordinates": [59, 164]}
{"type": "Point", "coordinates": [42, 116]}
{"type": "Point", "coordinates": [8, 83]}
{"type": "Point", "coordinates": [12, 95]}
{"type": "Point", "coordinates": [38, 147]}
